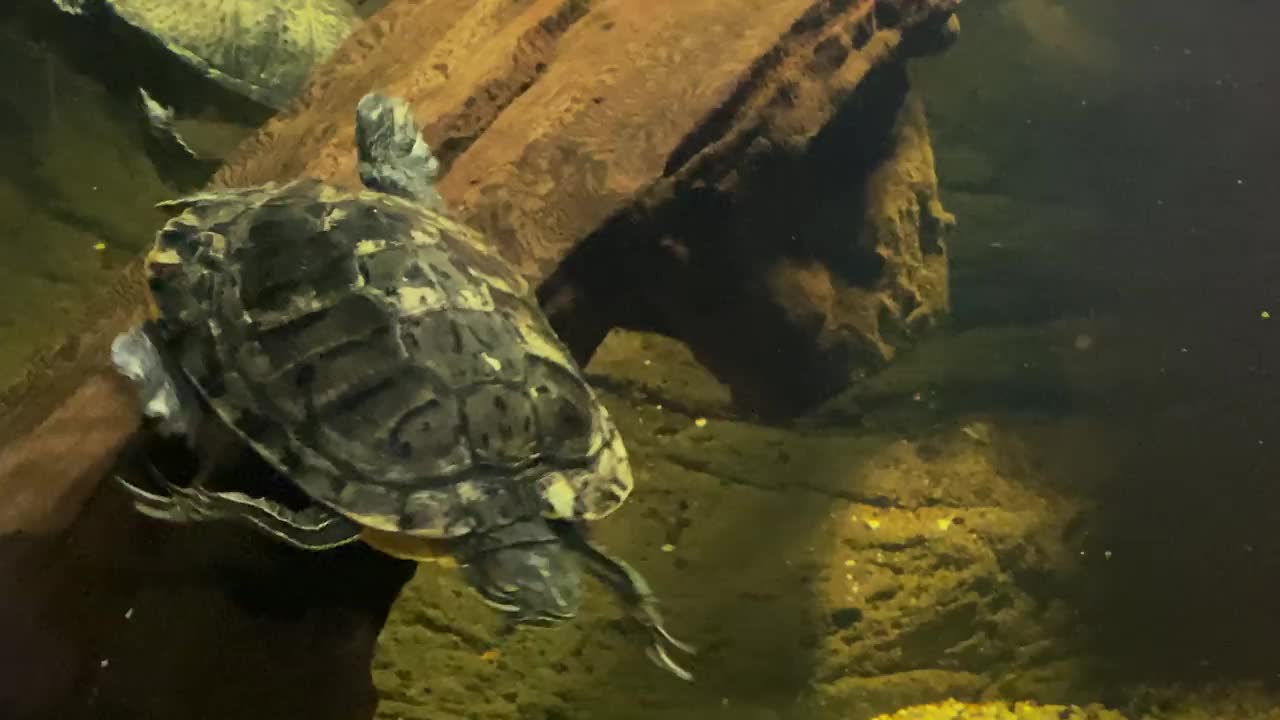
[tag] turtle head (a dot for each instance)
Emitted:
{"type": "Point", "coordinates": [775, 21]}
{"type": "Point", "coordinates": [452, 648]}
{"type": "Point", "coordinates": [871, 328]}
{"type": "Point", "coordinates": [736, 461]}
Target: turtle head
{"type": "Point", "coordinates": [524, 570]}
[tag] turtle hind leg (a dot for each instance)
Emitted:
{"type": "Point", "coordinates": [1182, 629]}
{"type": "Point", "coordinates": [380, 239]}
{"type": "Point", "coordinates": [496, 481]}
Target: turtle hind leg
{"type": "Point", "coordinates": [631, 585]}
{"type": "Point", "coordinates": [393, 157]}
{"type": "Point", "coordinates": [312, 528]}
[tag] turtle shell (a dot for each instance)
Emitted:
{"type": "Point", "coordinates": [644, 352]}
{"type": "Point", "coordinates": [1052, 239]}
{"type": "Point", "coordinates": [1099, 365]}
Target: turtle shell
{"type": "Point", "coordinates": [384, 357]}
{"type": "Point", "coordinates": [264, 50]}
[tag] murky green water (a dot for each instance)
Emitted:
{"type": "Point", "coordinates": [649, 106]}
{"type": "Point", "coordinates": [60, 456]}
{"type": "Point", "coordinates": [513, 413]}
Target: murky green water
{"type": "Point", "coordinates": [1065, 494]}
{"type": "Point", "coordinates": [76, 191]}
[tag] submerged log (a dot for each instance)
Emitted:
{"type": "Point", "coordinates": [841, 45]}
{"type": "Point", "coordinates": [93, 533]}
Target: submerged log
{"type": "Point", "coordinates": [710, 170]}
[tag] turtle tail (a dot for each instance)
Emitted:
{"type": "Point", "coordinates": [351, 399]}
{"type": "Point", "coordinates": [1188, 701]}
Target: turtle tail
{"type": "Point", "coordinates": [393, 157]}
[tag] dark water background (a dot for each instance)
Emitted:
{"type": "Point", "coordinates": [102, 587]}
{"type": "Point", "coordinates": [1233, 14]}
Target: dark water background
{"type": "Point", "coordinates": [1113, 169]}
{"type": "Point", "coordinates": [1116, 163]}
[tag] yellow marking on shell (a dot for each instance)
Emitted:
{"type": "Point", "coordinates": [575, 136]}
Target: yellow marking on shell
{"type": "Point", "coordinates": [408, 547]}
{"type": "Point", "coordinates": [448, 224]}
{"type": "Point", "coordinates": [614, 462]}
{"type": "Point", "coordinates": [468, 492]}
{"type": "Point", "coordinates": [602, 429]}
{"type": "Point", "coordinates": [167, 256]}
{"type": "Point", "coordinates": [473, 299]}
{"type": "Point", "coordinates": [424, 237]}
{"type": "Point", "coordinates": [216, 243]}
{"type": "Point", "coordinates": [495, 282]}
{"type": "Point", "coordinates": [301, 305]}
{"type": "Point", "coordinates": [470, 236]}
{"type": "Point", "coordinates": [537, 344]}
{"type": "Point", "coordinates": [333, 217]}
{"type": "Point", "coordinates": [418, 300]}
{"type": "Point", "coordinates": [559, 494]}
{"type": "Point", "coordinates": [369, 247]}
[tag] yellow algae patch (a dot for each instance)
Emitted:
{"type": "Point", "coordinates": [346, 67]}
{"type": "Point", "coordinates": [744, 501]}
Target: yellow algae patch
{"type": "Point", "coordinates": [956, 710]}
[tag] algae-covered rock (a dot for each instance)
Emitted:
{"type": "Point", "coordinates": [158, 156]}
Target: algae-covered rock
{"type": "Point", "coordinates": [655, 369]}
{"type": "Point", "coordinates": [954, 710]}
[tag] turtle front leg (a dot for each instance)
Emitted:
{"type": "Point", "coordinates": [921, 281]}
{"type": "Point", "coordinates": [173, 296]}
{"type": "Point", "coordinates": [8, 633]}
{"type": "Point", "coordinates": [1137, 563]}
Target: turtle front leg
{"type": "Point", "coordinates": [629, 583]}
{"type": "Point", "coordinates": [165, 396]}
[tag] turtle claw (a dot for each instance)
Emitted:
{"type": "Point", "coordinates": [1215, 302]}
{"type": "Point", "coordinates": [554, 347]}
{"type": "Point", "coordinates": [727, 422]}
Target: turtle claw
{"type": "Point", "coordinates": [650, 617]}
{"type": "Point", "coordinates": [158, 507]}
{"type": "Point", "coordinates": [659, 656]}
{"type": "Point", "coordinates": [177, 504]}
{"type": "Point", "coordinates": [661, 632]}
{"type": "Point", "coordinates": [313, 528]}
{"type": "Point", "coordinates": [644, 603]}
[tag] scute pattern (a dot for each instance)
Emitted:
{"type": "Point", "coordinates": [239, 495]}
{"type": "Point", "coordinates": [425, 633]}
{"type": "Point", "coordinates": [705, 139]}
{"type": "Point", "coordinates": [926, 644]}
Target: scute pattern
{"type": "Point", "coordinates": [263, 50]}
{"type": "Point", "coordinates": [385, 358]}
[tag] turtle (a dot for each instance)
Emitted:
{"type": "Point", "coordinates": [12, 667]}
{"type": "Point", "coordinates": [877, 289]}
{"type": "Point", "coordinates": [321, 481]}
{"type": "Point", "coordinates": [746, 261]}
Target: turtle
{"type": "Point", "coordinates": [387, 361]}
{"type": "Point", "coordinates": [263, 50]}
{"type": "Point", "coordinates": [260, 49]}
